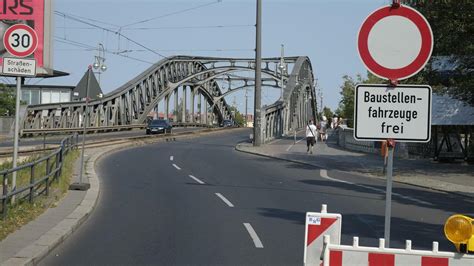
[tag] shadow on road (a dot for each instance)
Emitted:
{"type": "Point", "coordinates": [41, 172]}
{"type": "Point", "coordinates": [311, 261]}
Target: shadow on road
{"type": "Point", "coordinates": [406, 195]}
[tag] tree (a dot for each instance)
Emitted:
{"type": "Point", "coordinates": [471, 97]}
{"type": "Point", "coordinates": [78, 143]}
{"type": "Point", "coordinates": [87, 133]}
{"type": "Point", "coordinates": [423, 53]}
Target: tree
{"type": "Point", "coordinates": [452, 23]}
{"type": "Point", "coordinates": [238, 117]}
{"type": "Point", "coordinates": [328, 113]}
{"type": "Point", "coordinates": [345, 109]}
{"type": "Point", "coordinates": [346, 105]}
{"type": "Point", "coordinates": [7, 101]}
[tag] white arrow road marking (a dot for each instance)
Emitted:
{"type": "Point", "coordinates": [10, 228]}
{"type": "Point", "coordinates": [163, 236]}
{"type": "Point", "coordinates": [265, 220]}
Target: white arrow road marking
{"type": "Point", "coordinates": [226, 201]}
{"type": "Point", "coordinates": [177, 167]}
{"type": "Point", "coordinates": [324, 174]}
{"type": "Point", "coordinates": [253, 235]}
{"type": "Point", "coordinates": [196, 179]}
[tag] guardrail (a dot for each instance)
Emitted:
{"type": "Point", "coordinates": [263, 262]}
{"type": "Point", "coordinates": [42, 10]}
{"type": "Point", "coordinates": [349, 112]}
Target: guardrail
{"type": "Point", "coordinates": [102, 129]}
{"type": "Point", "coordinates": [37, 185]}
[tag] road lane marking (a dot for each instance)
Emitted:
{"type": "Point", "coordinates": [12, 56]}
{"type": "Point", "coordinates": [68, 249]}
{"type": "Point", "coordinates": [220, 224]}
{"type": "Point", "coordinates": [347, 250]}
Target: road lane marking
{"type": "Point", "coordinates": [196, 179]}
{"type": "Point", "coordinates": [177, 167]}
{"type": "Point", "coordinates": [324, 174]}
{"type": "Point", "coordinates": [291, 146]}
{"type": "Point", "coordinates": [253, 235]}
{"type": "Point", "coordinates": [226, 201]}
{"type": "Point", "coordinates": [171, 158]}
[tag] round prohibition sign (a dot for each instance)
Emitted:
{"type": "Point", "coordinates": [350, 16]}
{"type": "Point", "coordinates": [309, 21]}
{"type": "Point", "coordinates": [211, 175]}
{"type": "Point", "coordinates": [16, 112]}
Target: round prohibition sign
{"type": "Point", "coordinates": [20, 40]}
{"type": "Point", "coordinates": [395, 43]}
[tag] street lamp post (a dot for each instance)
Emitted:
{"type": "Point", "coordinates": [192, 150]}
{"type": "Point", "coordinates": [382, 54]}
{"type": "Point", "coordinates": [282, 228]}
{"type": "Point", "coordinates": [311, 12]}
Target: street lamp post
{"type": "Point", "coordinates": [282, 68]}
{"type": "Point", "coordinates": [99, 62]}
{"type": "Point", "coordinates": [257, 129]}
{"type": "Point", "coordinates": [81, 185]}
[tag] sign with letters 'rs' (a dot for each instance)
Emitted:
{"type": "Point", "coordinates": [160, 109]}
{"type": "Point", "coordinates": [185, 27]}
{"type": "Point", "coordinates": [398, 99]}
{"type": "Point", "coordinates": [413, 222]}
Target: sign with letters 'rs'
{"type": "Point", "coordinates": [402, 113]}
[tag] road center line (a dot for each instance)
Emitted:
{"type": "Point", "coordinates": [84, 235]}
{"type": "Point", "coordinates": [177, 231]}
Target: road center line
{"type": "Point", "coordinates": [324, 174]}
{"type": "Point", "coordinates": [177, 167]}
{"type": "Point", "coordinates": [196, 179]}
{"type": "Point", "coordinates": [226, 201]}
{"type": "Point", "coordinates": [253, 235]}
{"type": "Point", "coordinates": [171, 158]}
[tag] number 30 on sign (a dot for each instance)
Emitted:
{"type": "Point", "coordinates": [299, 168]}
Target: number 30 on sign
{"type": "Point", "coordinates": [20, 40]}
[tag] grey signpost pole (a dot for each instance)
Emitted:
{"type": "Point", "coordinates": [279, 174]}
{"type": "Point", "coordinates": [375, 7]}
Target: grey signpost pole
{"type": "Point", "coordinates": [85, 127]}
{"type": "Point", "coordinates": [388, 196]}
{"type": "Point", "coordinates": [17, 133]}
{"type": "Point", "coordinates": [257, 130]}
{"type": "Point", "coordinates": [81, 185]}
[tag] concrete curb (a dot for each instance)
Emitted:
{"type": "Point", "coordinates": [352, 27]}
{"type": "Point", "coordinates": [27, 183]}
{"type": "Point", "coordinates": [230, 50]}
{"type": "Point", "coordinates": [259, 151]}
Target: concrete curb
{"type": "Point", "coordinates": [33, 253]}
{"type": "Point", "coordinates": [239, 148]}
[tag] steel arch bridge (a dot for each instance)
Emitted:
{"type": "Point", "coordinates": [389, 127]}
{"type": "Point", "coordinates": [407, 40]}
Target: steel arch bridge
{"type": "Point", "coordinates": [175, 77]}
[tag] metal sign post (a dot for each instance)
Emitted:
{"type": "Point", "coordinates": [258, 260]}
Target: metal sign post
{"type": "Point", "coordinates": [17, 133]}
{"type": "Point", "coordinates": [81, 185]}
{"type": "Point", "coordinates": [394, 42]}
{"type": "Point", "coordinates": [388, 192]}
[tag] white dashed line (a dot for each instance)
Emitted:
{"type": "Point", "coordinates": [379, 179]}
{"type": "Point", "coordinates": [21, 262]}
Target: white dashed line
{"type": "Point", "coordinates": [226, 201]}
{"type": "Point", "coordinates": [253, 235]}
{"type": "Point", "coordinates": [196, 179]}
{"type": "Point", "coordinates": [171, 158]}
{"type": "Point", "coordinates": [324, 174]}
{"type": "Point", "coordinates": [177, 167]}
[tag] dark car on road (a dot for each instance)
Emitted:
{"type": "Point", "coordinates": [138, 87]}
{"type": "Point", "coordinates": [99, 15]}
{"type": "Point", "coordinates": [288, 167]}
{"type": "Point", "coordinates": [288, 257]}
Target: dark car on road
{"type": "Point", "coordinates": [227, 123]}
{"type": "Point", "coordinates": [158, 126]}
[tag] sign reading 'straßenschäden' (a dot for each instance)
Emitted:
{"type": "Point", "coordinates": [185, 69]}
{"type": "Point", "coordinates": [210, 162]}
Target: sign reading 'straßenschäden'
{"type": "Point", "coordinates": [402, 113]}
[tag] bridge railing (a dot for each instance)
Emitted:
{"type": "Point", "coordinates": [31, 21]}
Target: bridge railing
{"type": "Point", "coordinates": [35, 178]}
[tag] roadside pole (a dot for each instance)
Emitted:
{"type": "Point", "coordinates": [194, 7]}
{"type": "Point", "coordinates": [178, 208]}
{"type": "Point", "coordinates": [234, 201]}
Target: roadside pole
{"type": "Point", "coordinates": [82, 185]}
{"type": "Point", "coordinates": [388, 193]}
{"type": "Point", "coordinates": [383, 26]}
{"type": "Point", "coordinates": [17, 133]}
{"type": "Point", "coordinates": [257, 129]}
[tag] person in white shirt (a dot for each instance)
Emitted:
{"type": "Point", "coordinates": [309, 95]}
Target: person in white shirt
{"type": "Point", "coordinates": [310, 136]}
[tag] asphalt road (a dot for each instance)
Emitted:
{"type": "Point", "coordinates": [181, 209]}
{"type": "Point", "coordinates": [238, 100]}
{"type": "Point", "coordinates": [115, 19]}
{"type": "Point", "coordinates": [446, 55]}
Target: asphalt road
{"type": "Point", "coordinates": [200, 202]}
{"type": "Point", "coordinates": [55, 139]}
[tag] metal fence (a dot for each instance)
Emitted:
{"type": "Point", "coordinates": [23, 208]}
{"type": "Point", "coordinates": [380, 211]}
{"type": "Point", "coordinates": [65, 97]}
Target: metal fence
{"type": "Point", "coordinates": [40, 174]}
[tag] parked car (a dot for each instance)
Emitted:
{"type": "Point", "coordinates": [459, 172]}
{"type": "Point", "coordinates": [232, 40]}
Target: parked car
{"type": "Point", "coordinates": [158, 126]}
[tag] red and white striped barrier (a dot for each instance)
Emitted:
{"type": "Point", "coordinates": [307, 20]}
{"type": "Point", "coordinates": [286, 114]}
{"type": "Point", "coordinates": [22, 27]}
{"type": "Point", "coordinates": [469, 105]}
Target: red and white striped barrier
{"type": "Point", "coordinates": [319, 224]}
{"type": "Point", "coordinates": [341, 255]}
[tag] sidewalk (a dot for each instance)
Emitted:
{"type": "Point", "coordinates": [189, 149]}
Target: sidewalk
{"type": "Point", "coordinates": [34, 240]}
{"type": "Point", "coordinates": [450, 177]}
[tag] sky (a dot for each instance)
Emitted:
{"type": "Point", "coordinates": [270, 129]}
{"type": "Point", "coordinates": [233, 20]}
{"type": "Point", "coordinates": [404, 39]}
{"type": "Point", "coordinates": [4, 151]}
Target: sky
{"type": "Point", "coordinates": [324, 30]}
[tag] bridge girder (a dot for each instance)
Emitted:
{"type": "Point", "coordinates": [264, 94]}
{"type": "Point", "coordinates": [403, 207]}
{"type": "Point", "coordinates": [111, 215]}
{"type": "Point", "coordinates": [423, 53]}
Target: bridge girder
{"type": "Point", "coordinates": [131, 103]}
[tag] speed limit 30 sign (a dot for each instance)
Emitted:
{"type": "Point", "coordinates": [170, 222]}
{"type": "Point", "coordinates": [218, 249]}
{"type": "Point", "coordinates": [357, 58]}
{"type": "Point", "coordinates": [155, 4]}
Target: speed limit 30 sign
{"type": "Point", "coordinates": [20, 40]}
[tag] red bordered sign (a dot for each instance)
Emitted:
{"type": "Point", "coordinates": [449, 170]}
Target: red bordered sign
{"type": "Point", "coordinates": [395, 42]}
{"type": "Point", "coordinates": [20, 40]}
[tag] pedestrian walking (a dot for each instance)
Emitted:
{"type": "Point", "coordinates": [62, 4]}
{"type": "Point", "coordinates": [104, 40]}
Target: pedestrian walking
{"type": "Point", "coordinates": [322, 128]}
{"type": "Point", "coordinates": [310, 136]}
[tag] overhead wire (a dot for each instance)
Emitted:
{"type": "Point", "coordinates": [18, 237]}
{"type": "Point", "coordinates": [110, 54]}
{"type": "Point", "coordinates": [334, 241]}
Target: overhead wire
{"type": "Point", "coordinates": [86, 46]}
{"type": "Point", "coordinates": [172, 13]}
{"type": "Point", "coordinates": [90, 19]}
{"type": "Point", "coordinates": [167, 27]}
{"type": "Point", "coordinates": [117, 32]}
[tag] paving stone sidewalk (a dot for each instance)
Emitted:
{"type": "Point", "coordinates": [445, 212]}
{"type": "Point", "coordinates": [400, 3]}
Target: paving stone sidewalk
{"type": "Point", "coordinates": [450, 177]}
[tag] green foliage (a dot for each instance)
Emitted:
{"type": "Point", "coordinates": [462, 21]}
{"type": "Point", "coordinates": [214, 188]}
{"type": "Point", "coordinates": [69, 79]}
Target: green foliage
{"type": "Point", "coordinates": [346, 105]}
{"type": "Point", "coordinates": [7, 101]}
{"type": "Point", "coordinates": [23, 212]}
{"type": "Point", "coordinates": [327, 112]}
{"type": "Point", "coordinates": [452, 23]}
{"type": "Point", "coordinates": [238, 117]}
